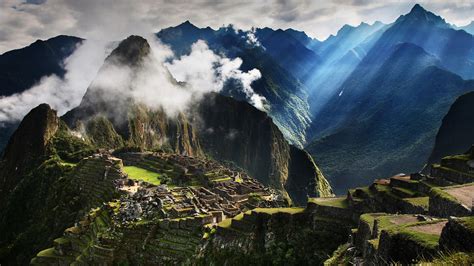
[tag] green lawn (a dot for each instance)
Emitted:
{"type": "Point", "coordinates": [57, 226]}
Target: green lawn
{"type": "Point", "coordinates": [138, 173]}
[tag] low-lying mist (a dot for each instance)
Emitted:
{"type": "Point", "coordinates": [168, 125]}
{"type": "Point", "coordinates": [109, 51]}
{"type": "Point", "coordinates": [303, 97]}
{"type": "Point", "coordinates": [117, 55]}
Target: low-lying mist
{"type": "Point", "coordinates": [153, 83]}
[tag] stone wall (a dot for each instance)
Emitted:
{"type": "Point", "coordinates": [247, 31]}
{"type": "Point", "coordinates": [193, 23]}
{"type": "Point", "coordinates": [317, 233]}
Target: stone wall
{"type": "Point", "coordinates": [458, 234]}
{"type": "Point", "coordinates": [443, 205]}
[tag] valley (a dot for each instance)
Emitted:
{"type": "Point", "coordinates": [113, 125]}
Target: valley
{"type": "Point", "coordinates": [193, 145]}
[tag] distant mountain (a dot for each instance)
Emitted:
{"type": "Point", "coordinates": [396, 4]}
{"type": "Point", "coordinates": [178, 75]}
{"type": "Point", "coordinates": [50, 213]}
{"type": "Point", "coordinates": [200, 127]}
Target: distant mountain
{"type": "Point", "coordinates": [229, 130]}
{"type": "Point", "coordinates": [454, 48]}
{"type": "Point", "coordinates": [289, 52]}
{"type": "Point", "coordinates": [340, 53]}
{"type": "Point", "coordinates": [303, 38]}
{"type": "Point", "coordinates": [286, 94]}
{"type": "Point", "coordinates": [468, 28]}
{"type": "Point", "coordinates": [22, 68]}
{"type": "Point", "coordinates": [184, 35]}
{"type": "Point", "coordinates": [376, 127]}
{"type": "Point", "coordinates": [456, 134]}
{"type": "Point", "coordinates": [367, 111]}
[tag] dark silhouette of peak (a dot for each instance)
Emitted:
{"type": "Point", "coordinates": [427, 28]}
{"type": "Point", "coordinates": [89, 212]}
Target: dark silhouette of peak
{"type": "Point", "coordinates": [27, 145]}
{"type": "Point", "coordinates": [131, 51]}
{"type": "Point", "coordinates": [417, 8]}
{"type": "Point", "coordinates": [456, 131]}
{"type": "Point", "coordinates": [16, 68]}
{"type": "Point", "coordinates": [420, 15]}
{"type": "Point", "coordinates": [187, 24]}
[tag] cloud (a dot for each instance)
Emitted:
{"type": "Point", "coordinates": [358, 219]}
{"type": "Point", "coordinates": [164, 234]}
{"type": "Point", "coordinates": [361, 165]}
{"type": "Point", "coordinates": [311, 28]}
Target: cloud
{"type": "Point", "coordinates": [206, 71]}
{"type": "Point", "coordinates": [62, 94]}
{"type": "Point", "coordinates": [23, 23]}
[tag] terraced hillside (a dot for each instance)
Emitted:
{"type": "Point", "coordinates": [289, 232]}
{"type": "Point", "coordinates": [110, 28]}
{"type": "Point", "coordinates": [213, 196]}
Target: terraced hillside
{"type": "Point", "coordinates": [402, 219]}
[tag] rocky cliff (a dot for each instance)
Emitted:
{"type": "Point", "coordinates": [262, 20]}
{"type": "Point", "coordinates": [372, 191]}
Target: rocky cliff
{"type": "Point", "coordinates": [456, 134]}
{"type": "Point", "coordinates": [220, 126]}
{"type": "Point", "coordinates": [27, 147]}
{"type": "Point", "coordinates": [235, 131]}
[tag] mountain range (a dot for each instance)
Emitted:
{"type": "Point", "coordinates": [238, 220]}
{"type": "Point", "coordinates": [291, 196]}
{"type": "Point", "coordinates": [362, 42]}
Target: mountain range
{"type": "Point", "coordinates": [365, 83]}
{"type": "Point", "coordinates": [382, 113]}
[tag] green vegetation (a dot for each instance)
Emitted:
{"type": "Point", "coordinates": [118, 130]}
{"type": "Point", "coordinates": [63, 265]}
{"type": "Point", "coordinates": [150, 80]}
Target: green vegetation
{"type": "Point", "coordinates": [68, 147]}
{"type": "Point", "coordinates": [277, 210]}
{"type": "Point", "coordinates": [335, 202]}
{"type": "Point", "coordinates": [468, 222]}
{"type": "Point", "coordinates": [458, 258]}
{"type": "Point", "coordinates": [440, 193]}
{"type": "Point", "coordinates": [102, 133]}
{"type": "Point", "coordinates": [338, 257]}
{"type": "Point", "coordinates": [138, 173]}
{"type": "Point", "coordinates": [429, 241]}
{"type": "Point", "coordinates": [420, 201]}
{"type": "Point", "coordinates": [463, 157]}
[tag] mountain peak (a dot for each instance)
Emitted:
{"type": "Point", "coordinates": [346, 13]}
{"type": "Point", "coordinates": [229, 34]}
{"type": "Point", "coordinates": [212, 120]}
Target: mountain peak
{"type": "Point", "coordinates": [417, 8]}
{"type": "Point", "coordinates": [420, 15]}
{"type": "Point", "coordinates": [131, 51]}
{"type": "Point", "coordinates": [187, 23]}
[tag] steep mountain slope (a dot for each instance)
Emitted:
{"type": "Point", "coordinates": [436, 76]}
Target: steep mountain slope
{"type": "Point", "coordinates": [303, 38]}
{"type": "Point", "coordinates": [40, 151]}
{"type": "Point", "coordinates": [340, 55]}
{"type": "Point", "coordinates": [213, 126]}
{"type": "Point", "coordinates": [456, 134]}
{"type": "Point", "coordinates": [454, 48]}
{"type": "Point", "coordinates": [286, 95]}
{"type": "Point", "coordinates": [386, 123]}
{"type": "Point", "coordinates": [468, 28]}
{"type": "Point", "coordinates": [289, 52]}
{"type": "Point", "coordinates": [112, 119]}
{"type": "Point", "coordinates": [22, 68]}
{"type": "Point", "coordinates": [27, 147]}
{"type": "Point", "coordinates": [237, 132]}
{"type": "Point", "coordinates": [16, 71]}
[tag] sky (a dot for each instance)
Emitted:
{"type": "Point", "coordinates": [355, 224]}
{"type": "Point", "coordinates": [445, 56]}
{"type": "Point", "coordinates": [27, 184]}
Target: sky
{"type": "Point", "coordinates": [24, 21]}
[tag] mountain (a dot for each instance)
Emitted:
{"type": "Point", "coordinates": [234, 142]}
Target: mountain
{"type": "Point", "coordinates": [468, 28]}
{"type": "Point", "coordinates": [303, 38]}
{"type": "Point", "coordinates": [456, 134]}
{"type": "Point", "coordinates": [27, 147]}
{"type": "Point", "coordinates": [16, 71]}
{"type": "Point", "coordinates": [287, 96]}
{"type": "Point", "coordinates": [373, 102]}
{"type": "Point", "coordinates": [56, 169]}
{"type": "Point", "coordinates": [224, 122]}
{"type": "Point", "coordinates": [387, 123]}
{"type": "Point", "coordinates": [341, 54]}
{"type": "Point", "coordinates": [290, 53]}
{"type": "Point", "coordinates": [183, 36]}
{"type": "Point", "coordinates": [454, 48]}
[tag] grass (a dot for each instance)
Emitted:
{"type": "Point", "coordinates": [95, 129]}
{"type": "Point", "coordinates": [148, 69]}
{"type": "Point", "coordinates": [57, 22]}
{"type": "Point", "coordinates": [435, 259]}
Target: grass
{"type": "Point", "coordinates": [451, 258]}
{"type": "Point", "coordinates": [225, 223]}
{"type": "Point", "coordinates": [68, 164]}
{"type": "Point", "coordinates": [420, 201]}
{"type": "Point", "coordinates": [277, 210]}
{"type": "Point", "coordinates": [427, 240]}
{"type": "Point", "coordinates": [221, 179]}
{"type": "Point", "coordinates": [48, 253]}
{"type": "Point", "coordinates": [468, 222]}
{"type": "Point", "coordinates": [138, 173]}
{"type": "Point", "coordinates": [335, 202]}
{"type": "Point", "coordinates": [405, 191]}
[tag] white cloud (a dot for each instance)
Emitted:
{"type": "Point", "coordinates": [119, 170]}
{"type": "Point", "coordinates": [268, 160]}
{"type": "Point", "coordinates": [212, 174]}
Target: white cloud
{"type": "Point", "coordinates": [62, 94]}
{"type": "Point", "coordinates": [115, 19]}
{"type": "Point", "coordinates": [206, 71]}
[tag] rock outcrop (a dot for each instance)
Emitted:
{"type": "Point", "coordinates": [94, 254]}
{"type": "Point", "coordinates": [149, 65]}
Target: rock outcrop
{"type": "Point", "coordinates": [456, 133]}
{"type": "Point", "coordinates": [236, 131]}
{"type": "Point", "coordinates": [27, 147]}
{"type": "Point", "coordinates": [227, 129]}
